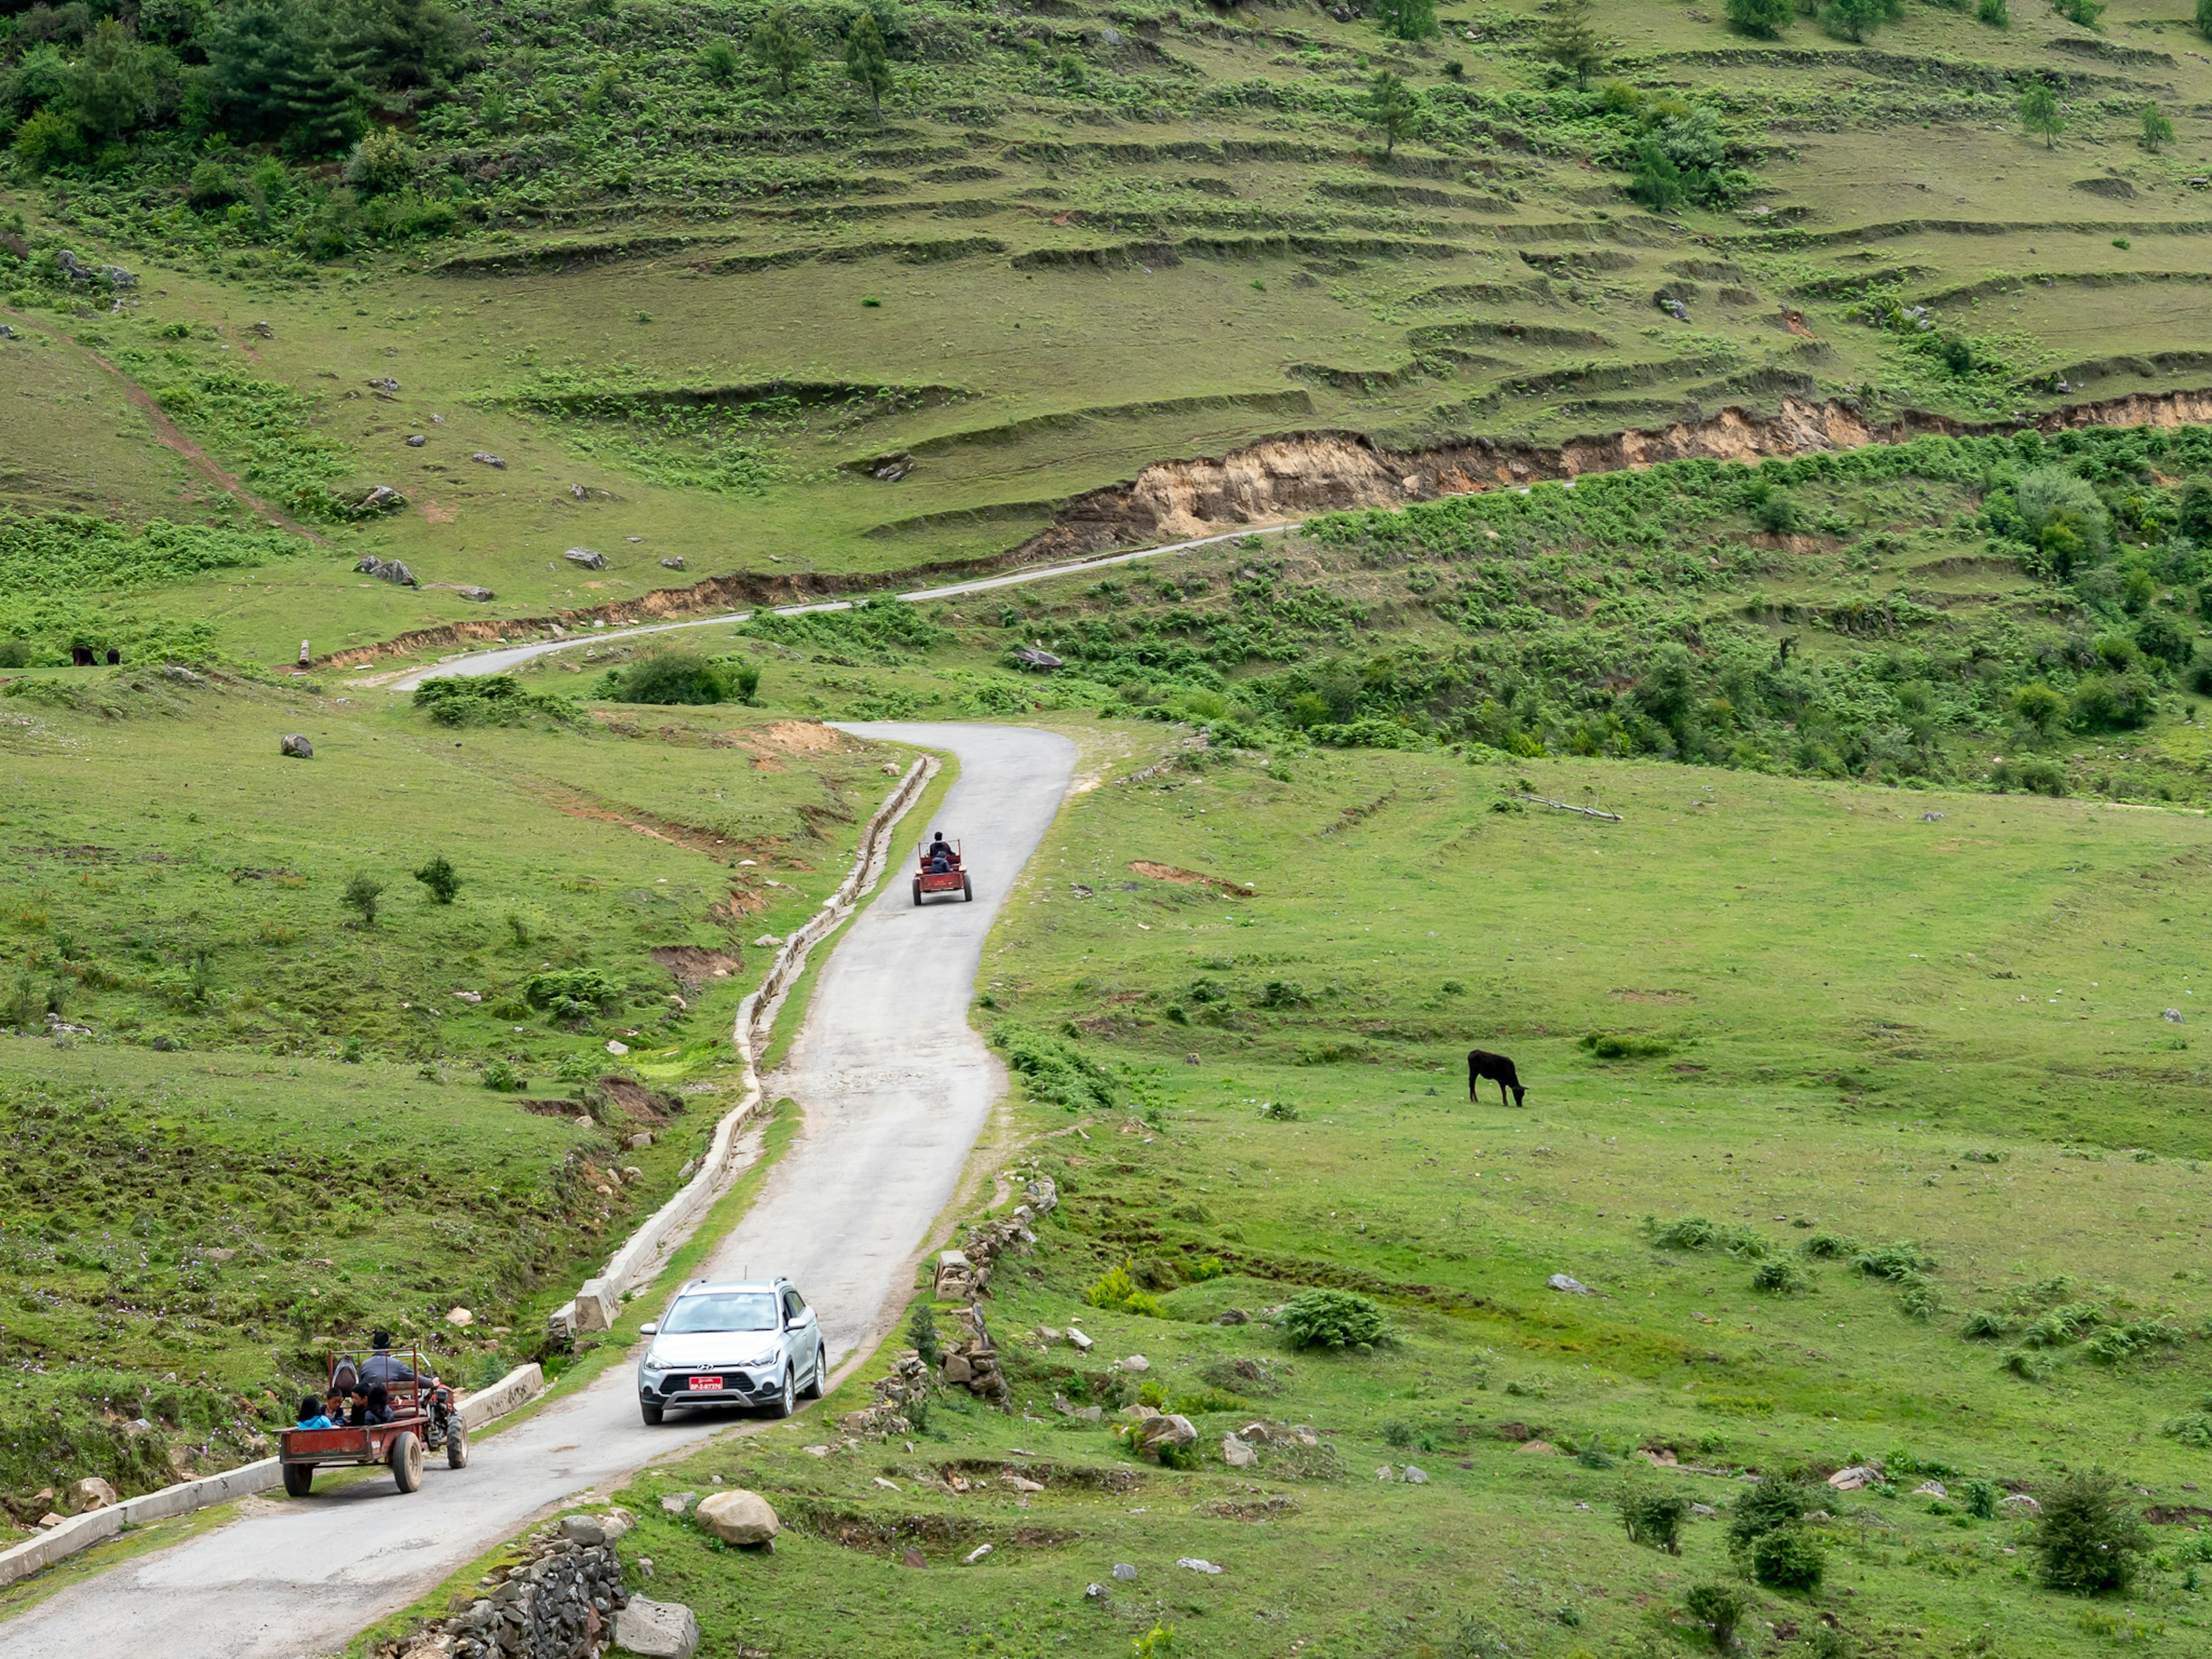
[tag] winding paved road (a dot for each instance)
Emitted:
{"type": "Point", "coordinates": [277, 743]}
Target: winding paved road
{"type": "Point", "coordinates": [471, 662]}
{"type": "Point", "coordinates": [895, 1089]}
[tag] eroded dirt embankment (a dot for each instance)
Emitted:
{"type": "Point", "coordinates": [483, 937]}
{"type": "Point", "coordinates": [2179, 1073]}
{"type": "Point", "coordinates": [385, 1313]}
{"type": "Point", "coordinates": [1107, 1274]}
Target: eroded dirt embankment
{"type": "Point", "coordinates": [1280, 479]}
{"type": "Point", "coordinates": [1288, 478]}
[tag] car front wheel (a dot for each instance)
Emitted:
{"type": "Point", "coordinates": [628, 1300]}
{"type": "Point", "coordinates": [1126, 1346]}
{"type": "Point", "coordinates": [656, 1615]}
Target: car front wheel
{"type": "Point", "coordinates": [820, 1379]}
{"type": "Point", "coordinates": [650, 1412]}
{"type": "Point", "coordinates": [787, 1400]}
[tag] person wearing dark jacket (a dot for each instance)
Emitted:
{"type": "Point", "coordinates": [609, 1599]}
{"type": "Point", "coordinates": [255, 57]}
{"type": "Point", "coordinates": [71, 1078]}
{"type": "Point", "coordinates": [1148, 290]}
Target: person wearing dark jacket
{"type": "Point", "coordinates": [381, 1368]}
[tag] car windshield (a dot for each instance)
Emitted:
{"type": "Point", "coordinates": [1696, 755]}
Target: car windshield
{"type": "Point", "coordinates": [734, 1310]}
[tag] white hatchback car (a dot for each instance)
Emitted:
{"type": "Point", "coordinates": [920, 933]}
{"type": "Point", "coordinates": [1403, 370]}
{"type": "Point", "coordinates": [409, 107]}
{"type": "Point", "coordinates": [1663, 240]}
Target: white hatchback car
{"type": "Point", "coordinates": [751, 1343]}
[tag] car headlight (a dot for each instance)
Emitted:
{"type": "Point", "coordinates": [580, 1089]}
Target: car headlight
{"type": "Point", "coordinates": [654, 1363]}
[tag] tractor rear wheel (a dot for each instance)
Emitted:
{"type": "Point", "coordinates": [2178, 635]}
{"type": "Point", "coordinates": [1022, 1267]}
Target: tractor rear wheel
{"type": "Point", "coordinates": [967, 890]}
{"type": "Point", "coordinates": [298, 1480]}
{"type": "Point", "coordinates": [917, 890]}
{"type": "Point", "coordinates": [405, 1457]}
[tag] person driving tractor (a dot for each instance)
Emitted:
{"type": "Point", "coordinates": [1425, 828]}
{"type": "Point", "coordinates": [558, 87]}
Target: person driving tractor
{"type": "Point", "coordinates": [940, 855]}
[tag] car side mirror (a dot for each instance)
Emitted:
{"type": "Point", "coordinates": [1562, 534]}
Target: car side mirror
{"type": "Point", "coordinates": [651, 1327]}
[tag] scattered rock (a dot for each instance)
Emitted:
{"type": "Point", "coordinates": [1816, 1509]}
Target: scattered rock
{"type": "Point", "coordinates": [2173, 1014]}
{"type": "Point", "coordinates": [586, 557]}
{"type": "Point", "coordinates": [1077, 1340]}
{"type": "Point", "coordinates": [1930, 1489]}
{"type": "Point", "coordinates": [387, 385]}
{"type": "Point", "coordinates": [1237, 1452]}
{"type": "Point", "coordinates": [1167, 1430]}
{"type": "Point", "coordinates": [1090, 1592]}
{"type": "Point", "coordinates": [296, 745]}
{"type": "Point", "coordinates": [468, 591]}
{"type": "Point", "coordinates": [386, 570]}
{"type": "Point", "coordinates": [1233, 1316]}
{"type": "Point", "coordinates": [1933, 817]}
{"type": "Point", "coordinates": [1197, 1566]}
{"type": "Point", "coordinates": [888, 1485]}
{"type": "Point", "coordinates": [672, 564]}
{"type": "Point", "coordinates": [974, 1555]}
{"type": "Point", "coordinates": [470, 997]}
{"type": "Point", "coordinates": [582, 1530]}
{"type": "Point", "coordinates": [616, 1524]}
{"type": "Point", "coordinates": [1542, 1448]}
{"type": "Point", "coordinates": [1135, 1362]}
{"type": "Point", "coordinates": [1191, 1060]}
{"type": "Point", "coordinates": [417, 439]}
{"type": "Point", "coordinates": [1417, 1477]}
{"type": "Point", "coordinates": [1124, 1573]}
{"type": "Point", "coordinates": [1857, 1478]}
{"type": "Point", "coordinates": [1701, 1510]}
{"type": "Point", "coordinates": [816, 1451]}
{"type": "Point", "coordinates": [679, 1503]}
{"type": "Point", "coordinates": [460, 1317]}
{"type": "Point", "coordinates": [640, 1141]}
{"type": "Point", "coordinates": [1572, 1286]}
{"type": "Point", "coordinates": [384, 498]}
{"type": "Point", "coordinates": [49, 1520]}
{"type": "Point", "coordinates": [616, 1047]}
{"type": "Point", "coordinates": [737, 1517]}
{"type": "Point", "coordinates": [2023, 1502]}
{"type": "Point", "coordinates": [657, 1630]}
{"type": "Point", "coordinates": [911, 1556]}
{"type": "Point", "coordinates": [91, 1493]}
{"type": "Point", "coordinates": [489, 460]}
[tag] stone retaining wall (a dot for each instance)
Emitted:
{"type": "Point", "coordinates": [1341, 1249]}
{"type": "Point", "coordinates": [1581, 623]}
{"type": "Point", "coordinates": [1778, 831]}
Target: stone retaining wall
{"type": "Point", "coordinates": [559, 1602]}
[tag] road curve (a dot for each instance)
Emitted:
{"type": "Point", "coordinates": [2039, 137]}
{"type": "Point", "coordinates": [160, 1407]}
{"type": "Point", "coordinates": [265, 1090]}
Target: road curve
{"type": "Point", "coordinates": [893, 1087]}
{"type": "Point", "coordinates": [471, 662]}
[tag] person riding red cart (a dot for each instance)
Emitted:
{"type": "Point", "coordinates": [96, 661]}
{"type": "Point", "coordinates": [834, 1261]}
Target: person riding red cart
{"type": "Point", "coordinates": [385, 1409]}
{"type": "Point", "coordinates": [941, 870]}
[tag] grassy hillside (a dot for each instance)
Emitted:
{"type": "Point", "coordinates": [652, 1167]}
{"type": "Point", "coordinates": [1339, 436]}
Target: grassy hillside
{"type": "Point", "coordinates": [1770, 1029]}
{"type": "Point", "coordinates": [1080, 240]}
{"type": "Point", "coordinates": [243, 1117]}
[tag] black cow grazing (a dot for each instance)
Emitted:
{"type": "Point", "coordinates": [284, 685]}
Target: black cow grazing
{"type": "Point", "coordinates": [1480, 1064]}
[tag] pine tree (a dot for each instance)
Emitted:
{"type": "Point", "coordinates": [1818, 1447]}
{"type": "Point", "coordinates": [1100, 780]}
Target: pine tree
{"type": "Point", "coordinates": [779, 48]}
{"type": "Point", "coordinates": [112, 86]}
{"type": "Point", "coordinates": [2040, 113]}
{"type": "Point", "coordinates": [867, 61]}
{"type": "Point", "coordinates": [1392, 106]}
{"type": "Point", "coordinates": [2157, 130]}
{"type": "Point", "coordinates": [1409, 19]}
{"type": "Point", "coordinates": [1570, 39]}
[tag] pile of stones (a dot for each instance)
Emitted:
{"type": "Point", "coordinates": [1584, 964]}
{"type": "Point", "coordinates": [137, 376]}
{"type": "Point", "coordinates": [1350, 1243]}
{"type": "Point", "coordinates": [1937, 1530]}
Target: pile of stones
{"type": "Point", "coordinates": [558, 1602]}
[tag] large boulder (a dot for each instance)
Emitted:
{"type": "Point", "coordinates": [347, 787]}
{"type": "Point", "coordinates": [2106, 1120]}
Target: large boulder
{"type": "Point", "coordinates": [297, 746]}
{"type": "Point", "coordinates": [589, 558]}
{"type": "Point", "coordinates": [91, 1493]}
{"type": "Point", "coordinates": [1170, 1429]}
{"type": "Point", "coordinates": [657, 1630]}
{"type": "Point", "coordinates": [737, 1517]}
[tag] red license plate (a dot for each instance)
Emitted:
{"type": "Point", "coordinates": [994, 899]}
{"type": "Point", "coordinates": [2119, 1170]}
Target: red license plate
{"type": "Point", "coordinates": [706, 1381]}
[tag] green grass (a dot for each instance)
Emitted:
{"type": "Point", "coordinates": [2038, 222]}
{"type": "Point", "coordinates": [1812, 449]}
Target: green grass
{"type": "Point", "coordinates": [1842, 1063]}
{"type": "Point", "coordinates": [1198, 247]}
{"type": "Point", "coordinates": [269, 1127]}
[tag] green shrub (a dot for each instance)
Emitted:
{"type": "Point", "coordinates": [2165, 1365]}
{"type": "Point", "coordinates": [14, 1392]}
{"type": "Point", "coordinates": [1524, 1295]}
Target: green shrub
{"type": "Point", "coordinates": [500, 1075]}
{"type": "Point", "coordinates": [1789, 1558]}
{"type": "Point", "coordinates": [1919, 1299]}
{"type": "Point", "coordinates": [1054, 1070]}
{"type": "Point", "coordinates": [1985, 1326]}
{"type": "Point", "coordinates": [1998, 14]}
{"type": "Point", "coordinates": [2026, 1364]}
{"type": "Point", "coordinates": [1719, 1609]}
{"type": "Point", "coordinates": [1334, 1319]}
{"type": "Point", "coordinates": [1899, 1260]}
{"type": "Point", "coordinates": [1609, 1045]}
{"type": "Point", "coordinates": [1655, 1518]}
{"type": "Point", "coordinates": [49, 140]}
{"type": "Point", "coordinates": [1765, 18]}
{"type": "Point", "coordinates": [1116, 1290]}
{"type": "Point", "coordinates": [1780, 1277]}
{"type": "Point", "coordinates": [2190, 1429]}
{"type": "Point", "coordinates": [1982, 1497]}
{"type": "Point", "coordinates": [438, 876]}
{"type": "Point", "coordinates": [2088, 1536]}
{"type": "Point", "coordinates": [570, 994]}
{"type": "Point", "coordinates": [490, 699]}
{"type": "Point", "coordinates": [1772, 1504]}
{"type": "Point", "coordinates": [363, 891]}
{"type": "Point", "coordinates": [921, 1332]}
{"type": "Point", "coordinates": [682, 677]}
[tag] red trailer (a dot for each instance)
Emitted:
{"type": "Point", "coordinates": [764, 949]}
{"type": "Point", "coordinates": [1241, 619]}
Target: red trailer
{"type": "Point", "coordinates": [951, 880]}
{"type": "Point", "coordinates": [422, 1414]}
